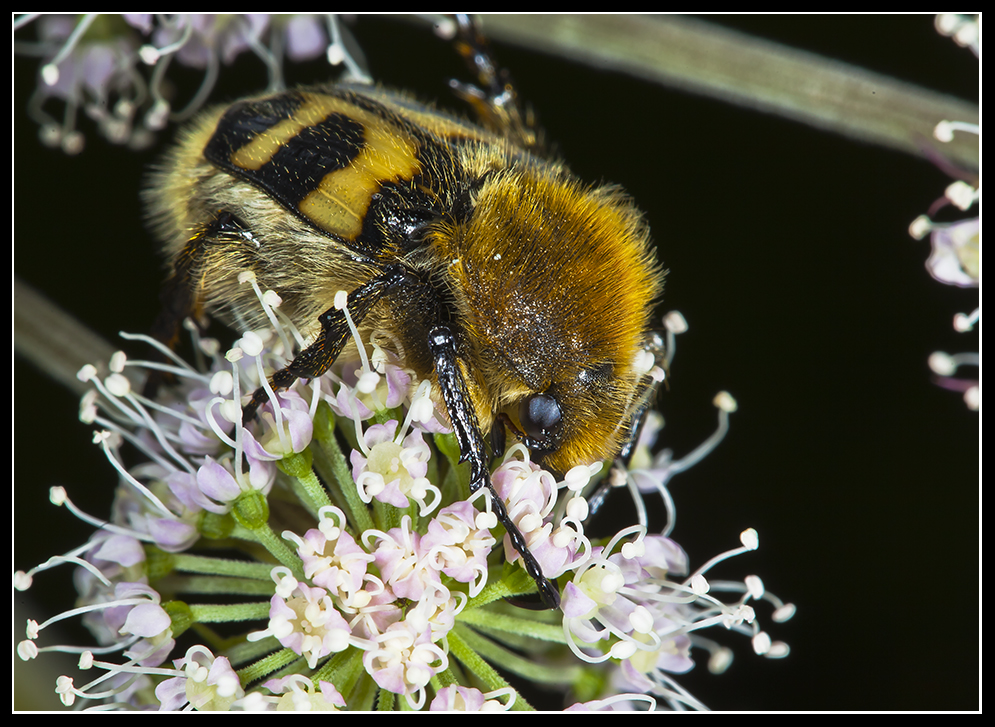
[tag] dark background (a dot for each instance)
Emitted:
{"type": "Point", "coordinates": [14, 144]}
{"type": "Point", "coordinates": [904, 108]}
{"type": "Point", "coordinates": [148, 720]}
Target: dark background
{"type": "Point", "coordinates": [806, 298]}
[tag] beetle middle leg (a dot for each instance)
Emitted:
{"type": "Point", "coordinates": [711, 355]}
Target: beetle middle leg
{"type": "Point", "coordinates": [316, 359]}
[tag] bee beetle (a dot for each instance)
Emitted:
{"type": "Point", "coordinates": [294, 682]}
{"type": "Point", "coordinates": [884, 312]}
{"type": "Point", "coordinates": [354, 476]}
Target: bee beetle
{"type": "Point", "coordinates": [523, 294]}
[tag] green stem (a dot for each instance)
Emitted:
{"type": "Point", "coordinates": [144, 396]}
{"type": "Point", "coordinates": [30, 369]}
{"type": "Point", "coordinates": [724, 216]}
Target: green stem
{"type": "Point", "coordinates": [460, 639]}
{"type": "Point", "coordinates": [228, 613]}
{"type": "Point", "coordinates": [356, 510]}
{"type": "Point", "coordinates": [707, 59]}
{"type": "Point", "coordinates": [343, 670]}
{"type": "Point", "coordinates": [215, 585]}
{"type": "Point", "coordinates": [250, 512]}
{"type": "Point", "coordinates": [264, 535]}
{"type": "Point", "coordinates": [248, 652]}
{"type": "Point", "coordinates": [502, 583]}
{"type": "Point", "coordinates": [221, 567]}
{"type": "Point", "coordinates": [363, 694]}
{"type": "Point", "coordinates": [267, 665]}
{"type": "Point", "coordinates": [443, 679]}
{"type": "Point", "coordinates": [385, 701]}
{"type": "Point", "coordinates": [306, 483]}
{"type": "Point", "coordinates": [484, 648]}
{"type": "Point", "coordinates": [487, 620]}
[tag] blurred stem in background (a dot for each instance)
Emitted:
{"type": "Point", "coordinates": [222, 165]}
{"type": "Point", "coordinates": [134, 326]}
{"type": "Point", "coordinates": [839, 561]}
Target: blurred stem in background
{"type": "Point", "coordinates": [675, 51]}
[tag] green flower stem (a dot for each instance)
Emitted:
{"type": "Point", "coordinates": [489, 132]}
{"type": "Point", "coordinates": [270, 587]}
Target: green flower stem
{"type": "Point", "coordinates": [385, 701]}
{"type": "Point", "coordinates": [387, 516]}
{"type": "Point", "coordinates": [247, 652]}
{"type": "Point", "coordinates": [326, 473]}
{"type": "Point", "coordinates": [250, 511]}
{"type": "Point", "coordinates": [384, 515]}
{"type": "Point", "coordinates": [214, 641]}
{"type": "Point", "coordinates": [487, 649]}
{"type": "Point", "coordinates": [343, 670]}
{"type": "Point", "coordinates": [382, 416]}
{"type": "Point", "coordinates": [362, 696]}
{"type": "Point", "coordinates": [339, 470]}
{"type": "Point", "coordinates": [228, 613]}
{"type": "Point", "coordinates": [264, 535]}
{"type": "Point", "coordinates": [502, 583]}
{"type": "Point", "coordinates": [433, 476]}
{"type": "Point", "coordinates": [237, 586]}
{"type": "Point", "coordinates": [267, 665]}
{"type": "Point", "coordinates": [222, 567]}
{"type": "Point", "coordinates": [452, 487]}
{"type": "Point", "coordinates": [306, 484]}
{"type": "Point", "coordinates": [460, 641]}
{"type": "Point", "coordinates": [456, 485]}
{"type": "Point", "coordinates": [443, 679]}
{"type": "Point", "coordinates": [487, 620]}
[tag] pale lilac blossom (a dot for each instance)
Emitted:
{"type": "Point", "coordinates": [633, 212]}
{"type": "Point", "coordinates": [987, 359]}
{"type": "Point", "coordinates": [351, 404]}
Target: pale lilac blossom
{"type": "Point", "coordinates": [405, 661]}
{"type": "Point", "coordinates": [208, 683]}
{"type": "Point", "coordinates": [467, 699]}
{"type": "Point", "coordinates": [393, 469]}
{"type": "Point", "coordinates": [297, 693]}
{"type": "Point", "coordinates": [307, 623]}
{"type": "Point", "coordinates": [403, 562]}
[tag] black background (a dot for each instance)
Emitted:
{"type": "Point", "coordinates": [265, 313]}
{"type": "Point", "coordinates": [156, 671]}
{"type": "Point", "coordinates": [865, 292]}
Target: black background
{"type": "Point", "coordinates": [788, 255]}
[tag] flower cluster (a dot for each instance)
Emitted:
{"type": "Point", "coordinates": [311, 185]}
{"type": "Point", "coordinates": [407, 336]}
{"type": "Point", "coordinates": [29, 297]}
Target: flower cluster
{"type": "Point", "coordinates": [956, 246]}
{"type": "Point", "coordinates": [113, 67]}
{"type": "Point", "coordinates": [362, 576]}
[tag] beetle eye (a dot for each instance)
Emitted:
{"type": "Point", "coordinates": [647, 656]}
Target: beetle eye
{"type": "Point", "coordinates": [540, 416]}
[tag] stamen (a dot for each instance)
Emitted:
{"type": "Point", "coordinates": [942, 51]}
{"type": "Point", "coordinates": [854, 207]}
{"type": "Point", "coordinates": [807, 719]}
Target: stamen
{"type": "Point", "coordinates": [337, 52]}
{"type": "Point", "coordinates": [750, 542]}
{"type": "Point", "coordinates": [152, 55]}
{"type": "Point", "coordinates": [183, 368]}
{"type": "Point", "coordinates": [369, 379]}
{"type": "Point", "coordinates": [268, 302]}
{"type": "Point", "coordinates": [50, 71]}
{"type": "Point", "coordinates": [146, 493]}
{"type": "Point", "coordinates": [944, 131]}
{"type": "Point", "coordinates": [23, 580]}
{"type": "Point", "coordinates": [206, 86]}
{"type": "Point", "coordinates": [270, 60]}
{"type": "Point", "coordinates": [725, 404]}
{"type": "Point", "coordinates": [675, 324]}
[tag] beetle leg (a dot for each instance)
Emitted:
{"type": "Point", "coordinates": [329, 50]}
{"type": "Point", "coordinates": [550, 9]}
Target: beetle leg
{"type": "Point", "coordinates": [178, 298]}
{"type": "Point", "coordinates": [495, 102]}
{"type": "Point", "coordinates": [655, 345]}
{"type": "Point", "coordinates": [315, 360]}
{"type": "Point", "coordinates": [442, 345]}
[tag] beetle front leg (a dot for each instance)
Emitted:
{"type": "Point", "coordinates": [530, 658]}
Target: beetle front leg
{"type": "Point", "coordinates": [442, 345]}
